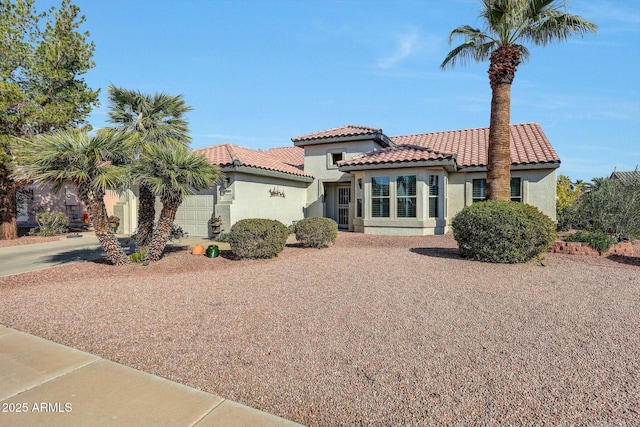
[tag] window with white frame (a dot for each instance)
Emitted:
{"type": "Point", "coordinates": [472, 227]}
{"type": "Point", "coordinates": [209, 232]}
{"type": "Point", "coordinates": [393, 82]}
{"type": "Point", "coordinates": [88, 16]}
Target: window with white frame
{"type": "Point", "coordinates": [380, 197]}
{"type": "Point", "coordinates": [406, 196]}
{"type": "Point", "coordinates": [516, 189]}
{"type": "Point", "coordinates": [359, 198]}
{"type": "Point", "coordinates": [479, 190]}
{"type": "Point", "coordinates": [434, 194]}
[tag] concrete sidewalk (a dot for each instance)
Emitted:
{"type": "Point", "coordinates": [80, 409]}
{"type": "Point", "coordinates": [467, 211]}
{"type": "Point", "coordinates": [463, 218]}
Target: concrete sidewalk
{"type": "Point", "coordinates": [48, 384]}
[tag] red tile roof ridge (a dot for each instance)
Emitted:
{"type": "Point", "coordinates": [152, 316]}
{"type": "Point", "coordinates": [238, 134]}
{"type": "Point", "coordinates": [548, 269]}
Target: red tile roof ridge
{"type": "Point", "coordinates": [340, 131]}
{"type": "Point", "coordinates": [397, 154]}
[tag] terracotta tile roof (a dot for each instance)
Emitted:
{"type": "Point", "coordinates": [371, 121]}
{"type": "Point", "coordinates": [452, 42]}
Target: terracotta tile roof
{"type": "Point", "coordinates": [293, 155]}
{"type": "Point", "coordinates": [232, 155]}
{"type": "Point", "coordinates": [346, 131]}
{"type": "Point", "coordinates": [626, 177]}
{"type": "Point", "coordinates": [397, 154]}
{"type": "Point", "coordinates": [528, 144]}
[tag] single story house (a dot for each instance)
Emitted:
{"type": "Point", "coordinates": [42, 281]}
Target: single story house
{"type": "Point", "coordinates": [365, 180]}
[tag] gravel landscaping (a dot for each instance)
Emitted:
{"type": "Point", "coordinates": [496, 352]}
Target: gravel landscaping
{"type": "Point", "coordinates": [372, 331]}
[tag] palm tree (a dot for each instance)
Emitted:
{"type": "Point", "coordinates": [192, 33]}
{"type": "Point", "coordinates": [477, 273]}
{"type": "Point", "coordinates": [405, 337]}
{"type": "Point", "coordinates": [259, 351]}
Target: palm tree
{"type": "Point", "coordinates": [149, 120]}
{"type": "Point", "coordinates": [171, 171]}
{"type": "Point", "coordinates": [509, 23]}
{"type": "Point", "coordinates": [89, 162]}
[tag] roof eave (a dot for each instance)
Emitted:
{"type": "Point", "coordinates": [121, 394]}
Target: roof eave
{"type": "Point", "coordinates": [252, 170]}
{"type": "Point", "coordinates": [448, 164]}
{"type": "Point", "coordinates": [514, 166]}
{"type": "Point", "coordinates": [378, 137]}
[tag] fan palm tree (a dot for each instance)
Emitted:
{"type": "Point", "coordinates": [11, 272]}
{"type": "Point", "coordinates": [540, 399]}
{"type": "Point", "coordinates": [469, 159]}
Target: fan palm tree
{"type": "Point", "coordinates": [507, 24]}
{"type": "Point", "coordinates": [171, 172]}
{"type": "Point", "coordinates": [89, 162]}
{"type": "Point", "coordinates": [149, 120]}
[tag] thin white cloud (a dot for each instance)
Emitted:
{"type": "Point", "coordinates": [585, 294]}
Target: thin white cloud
{"type": "Point", "coordinates": [406, 46]}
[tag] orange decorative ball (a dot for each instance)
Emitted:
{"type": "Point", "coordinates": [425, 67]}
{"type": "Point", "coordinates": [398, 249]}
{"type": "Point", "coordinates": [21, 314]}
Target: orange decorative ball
{"type": "Point", "coordinates": [197, 250]}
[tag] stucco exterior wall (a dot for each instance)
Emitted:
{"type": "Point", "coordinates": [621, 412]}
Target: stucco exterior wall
{"type": "Point", "coordinates": [538, 189]}
{"type": "Point", "coordinates": [255, 196]}
{"type": "Point", "coordinates": [317, 162]}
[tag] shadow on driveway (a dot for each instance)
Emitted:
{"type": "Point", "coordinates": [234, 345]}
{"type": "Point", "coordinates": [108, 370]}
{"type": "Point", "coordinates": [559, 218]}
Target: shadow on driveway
{"type": "Point", "coordinates": [74, 255]}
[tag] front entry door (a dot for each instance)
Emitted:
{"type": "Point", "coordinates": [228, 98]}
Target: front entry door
{"type": "Point", "coordinates": [344, 197]}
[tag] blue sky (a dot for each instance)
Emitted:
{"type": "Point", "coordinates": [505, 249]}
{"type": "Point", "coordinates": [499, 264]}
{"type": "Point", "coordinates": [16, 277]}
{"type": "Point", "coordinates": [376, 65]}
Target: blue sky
{"type": "Point", "coordinates": [258, 73]}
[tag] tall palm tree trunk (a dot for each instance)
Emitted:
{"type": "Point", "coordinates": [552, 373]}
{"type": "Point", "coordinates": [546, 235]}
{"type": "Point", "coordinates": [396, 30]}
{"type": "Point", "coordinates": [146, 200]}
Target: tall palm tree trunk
{"type": "Point", "coordinates": [163, 231]}
{"type": "Point", "coordinates": [502, 70]}
{"type": "Point", "coordinates": [146, 216]}
{"type": "Point", "coordinates": [98, 215]}
{"type": "Point", "coordinates": [499, 156]}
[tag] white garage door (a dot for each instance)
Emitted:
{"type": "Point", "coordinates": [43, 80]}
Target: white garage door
{"type": "Point", "coordinates": [194, 213]}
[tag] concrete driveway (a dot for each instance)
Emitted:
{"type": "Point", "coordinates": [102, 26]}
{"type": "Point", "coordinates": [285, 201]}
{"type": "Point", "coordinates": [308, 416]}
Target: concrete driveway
{"type": "Point", "coordinates": [38, 256]}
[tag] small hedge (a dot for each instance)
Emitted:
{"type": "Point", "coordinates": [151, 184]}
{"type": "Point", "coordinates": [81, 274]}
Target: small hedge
{"type": "Point", "coordinates": [257, 238]}
{"type": "Point", "coordinates": [316, 232]}
{"type": "Point", "coordinates": [502, 232]}
{"type": "Point", "coordinates": [51, 224]}
{"type": "Point", "coordinates": [598, 240]}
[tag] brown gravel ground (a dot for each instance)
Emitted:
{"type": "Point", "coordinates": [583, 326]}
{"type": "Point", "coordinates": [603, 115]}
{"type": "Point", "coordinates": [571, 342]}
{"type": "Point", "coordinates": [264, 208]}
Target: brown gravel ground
{"type": "Point", "coordinates": [371, 331]}
{"type": "Point", "coordinates": [28, 240]}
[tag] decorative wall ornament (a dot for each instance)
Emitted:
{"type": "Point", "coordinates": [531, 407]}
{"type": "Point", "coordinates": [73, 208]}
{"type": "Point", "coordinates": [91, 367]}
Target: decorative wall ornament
{"type": "Point", "coordinates": [276, 193]}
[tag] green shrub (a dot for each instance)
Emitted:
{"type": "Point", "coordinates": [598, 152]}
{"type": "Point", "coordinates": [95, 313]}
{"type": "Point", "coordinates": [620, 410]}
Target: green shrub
{"type": "Point", "coordinates": [222, 237]}
{"type": "Point", "coordinates": [611, 206]}
{"type": "Point", "coordinates": [316, 232]}
{"type": "Point", "coordinates": [598, 240]}
{"type": "Point", "coordinates": [138, 257]}
{"type": "Point", "coordinates": [257, 238]}
{"type": "Point", "coordinates": [177, 233]}
{"type": "Point", "coordinates": [502, 232]}
{"type": "Point", "coordinates": [51, 224]}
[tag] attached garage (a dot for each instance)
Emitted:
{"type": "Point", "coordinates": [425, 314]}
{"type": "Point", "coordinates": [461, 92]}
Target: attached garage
{"type": "Point", "coordinates": [194, 213]}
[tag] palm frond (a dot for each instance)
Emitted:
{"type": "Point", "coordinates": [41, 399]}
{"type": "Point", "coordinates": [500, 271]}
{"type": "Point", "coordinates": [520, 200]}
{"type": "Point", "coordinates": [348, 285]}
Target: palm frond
{"type": "Point", "coordinates": [557, 26]}
{"type": "Point", "coordinates": [174, 171]}
{"type": "Point", "coordinates": [472, 49]}
{"type": "Point", "coordinates": [70, 156]}
{"type": "Point", "coordinates": [157, 118]}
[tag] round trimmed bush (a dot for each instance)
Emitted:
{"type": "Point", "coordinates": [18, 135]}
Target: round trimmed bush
{"type": "Point", "coordinates": [257, 238]}
{"type": "Point", "coordinates": [316, 232]}
{"type": "Point", "coordinates": [502, 232]}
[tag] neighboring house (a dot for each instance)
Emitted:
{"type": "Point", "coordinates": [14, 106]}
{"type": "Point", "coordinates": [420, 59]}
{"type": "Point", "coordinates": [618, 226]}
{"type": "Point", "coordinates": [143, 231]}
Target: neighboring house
{"type": "Point", "coordinates": [370, 182]}
{"type": "Point", "coordinates": [626, 177]}
{"type": "Point", "coordinates": [39, 198]}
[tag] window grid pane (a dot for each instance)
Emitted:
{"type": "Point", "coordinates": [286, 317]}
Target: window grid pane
{"type": "Point", "coordinates": [433, 185]}
{"type": "Point", "coordinates": [406, 186]}
{"type": "Point", "coordinates": [433, 207]}
{"type": "Point", "coordinates": [380, 186]}
{"type": "Point", "coordinates": [434, 192]}
{"type": "Point", "coordinates": [516, 189]}
{"type": "Point", "coordinates": [380, 208]}
{"type": "Point", "coordinates": [479, 190]}
{"type": "Point", "coordinates": [406, 207]}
